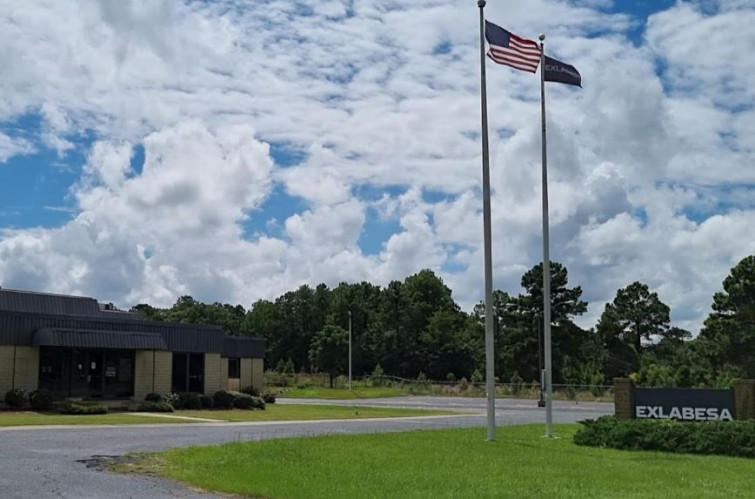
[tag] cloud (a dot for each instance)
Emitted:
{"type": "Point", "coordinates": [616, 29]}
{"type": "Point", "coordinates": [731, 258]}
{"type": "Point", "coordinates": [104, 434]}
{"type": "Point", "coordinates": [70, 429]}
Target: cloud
{"type": "Point", "coordinates": [649, 163]}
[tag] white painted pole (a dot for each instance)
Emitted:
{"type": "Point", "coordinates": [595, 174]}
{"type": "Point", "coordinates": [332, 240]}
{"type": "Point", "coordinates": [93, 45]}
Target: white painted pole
{"type": "Point", "coordinates": [546, 259]}
{"type": "Point", "coordinates": [489, 360]}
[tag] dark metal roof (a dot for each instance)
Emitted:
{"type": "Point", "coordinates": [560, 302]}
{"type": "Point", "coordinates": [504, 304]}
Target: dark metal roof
{"type": "Point", "coordinates": [13, 300]}
{"type": "Point", "coordinates": [28, 318]}
{"type": "Point", "coordinates": [243, 347]}
{"type": "Point", "coordinates": [82, 338]}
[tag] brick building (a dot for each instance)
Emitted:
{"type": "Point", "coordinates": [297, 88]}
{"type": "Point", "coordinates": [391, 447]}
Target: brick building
{"type": "Point", "coordinates": [79, 348]}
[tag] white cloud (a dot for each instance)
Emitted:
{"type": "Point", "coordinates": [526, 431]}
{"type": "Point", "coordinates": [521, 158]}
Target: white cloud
{"type": "Point", "coordinates": [650, 169]}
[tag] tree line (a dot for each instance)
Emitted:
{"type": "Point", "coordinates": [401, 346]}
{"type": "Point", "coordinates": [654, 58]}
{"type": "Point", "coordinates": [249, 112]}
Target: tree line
{"type": "Point", "coordinates": [414, 326]}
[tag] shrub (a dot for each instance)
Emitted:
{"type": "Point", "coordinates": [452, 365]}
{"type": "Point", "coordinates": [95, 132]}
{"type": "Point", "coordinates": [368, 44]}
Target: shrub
{"type": "Point", "coordinates": [243, 401]}
{"type": "Point", "coordinates": [729, 438]}
{"type": "Point", "coordinates": [377, 376]}
{"type": "Point", "coordinates": [516, 383]}
{"type": "Point", "coordinates": [223, 400]}
{"type": "Point", "coordinates": [156, 407]}
{"type": "Point", "coordinates": [171, 398]}
{"type": "Point", "coordinates": [258, 403]}
{"type": "Point", "coordinates": [251, 390]}
{"type": "Point", "coordinates": [16, 398]}
{"type": "Point", "coordinates": [154, 397]}
{"type": "Point", "coordinates": [70, 407]}
{"type": "Point", "coordinates": [421, 382]}
{"type": "Point", "coordinates": [188, 400]}
{"type": "Point", "coordinates": [269, 398]}
{"type": "Point", "coordinates": [463, 384]}
{"type": "Point", "coordinates": [207, 401]}
{"type": "Point", "coordinates": [41, 400]}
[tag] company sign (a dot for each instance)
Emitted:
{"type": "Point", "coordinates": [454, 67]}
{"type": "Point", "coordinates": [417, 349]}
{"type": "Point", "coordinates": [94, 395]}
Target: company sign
{"type": "Point", "coordinates": [685, 404]}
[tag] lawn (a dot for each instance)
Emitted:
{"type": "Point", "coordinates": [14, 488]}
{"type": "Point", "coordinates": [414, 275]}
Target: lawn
{"type": "Point", "coordinates": [343, 393]}
{"type": "Point", "coordinates": [283, 412]}
{"type": "Point", "coordinates": [450, 463]}
{"type": "Point", "coordinates": [30, 418]}
{"type": "Point", "coordinates": [274, 412]}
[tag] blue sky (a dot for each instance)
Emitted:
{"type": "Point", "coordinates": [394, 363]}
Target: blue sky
{"type": "Point", "coordinates": [235, 151]}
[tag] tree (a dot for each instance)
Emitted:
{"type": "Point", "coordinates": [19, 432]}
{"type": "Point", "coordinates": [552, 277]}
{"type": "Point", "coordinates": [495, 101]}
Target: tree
{"type": "Point", "coordinates": [638, 314]}
{"type": "Point", "coordinates": [329, 350]}
{"type": "Point", "coordinates": [566, 302]}
{"type": "Point", "coordinates": [729, 331]}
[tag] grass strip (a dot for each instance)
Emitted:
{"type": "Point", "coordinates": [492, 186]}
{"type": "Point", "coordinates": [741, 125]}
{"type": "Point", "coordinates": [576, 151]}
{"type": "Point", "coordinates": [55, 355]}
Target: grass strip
{"type": "Point", "coordinates": [30, 418]}
{"type": "Point", "coordinates": [451, 463]}
{"type": "Point", "coordinates": [286, 412]}
{"type": "Point", "coordinates": [274, 412]}
{"type": "Point", "coordinates": [341, 393]}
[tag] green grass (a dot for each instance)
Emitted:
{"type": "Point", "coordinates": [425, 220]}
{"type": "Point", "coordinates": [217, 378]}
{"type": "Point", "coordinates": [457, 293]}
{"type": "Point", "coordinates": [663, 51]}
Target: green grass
{"type": "Point", "coordinates": [282, 412]}
{"type": "Point", "coordinates": [274, 412]}
{"type": "Point", "coordinates": [450, 463]}
{"type": "Point", "coordinates": [343, 393]}
{"type": "Point", "coordinates": [30, 418]}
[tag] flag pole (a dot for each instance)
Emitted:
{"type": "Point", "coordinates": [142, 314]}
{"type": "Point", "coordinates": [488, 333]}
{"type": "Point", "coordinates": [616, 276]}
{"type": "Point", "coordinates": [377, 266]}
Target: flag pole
{"type": "Point", "coordinates": [489, 361]}
{"type": "Point", "coordinates": [546, 258]}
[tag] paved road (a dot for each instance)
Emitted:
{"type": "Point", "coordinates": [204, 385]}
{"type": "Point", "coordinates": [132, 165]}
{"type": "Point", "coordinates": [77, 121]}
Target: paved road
{"type": "Point", "coordinates": [44, 463]}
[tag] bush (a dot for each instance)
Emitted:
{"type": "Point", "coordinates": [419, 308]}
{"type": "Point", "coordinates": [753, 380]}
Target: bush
{"type": "Point", "coordinates": [154, 397]}
{"type": "Point", "coordinates": [516, 383]}
{"type": "Point", "coordinates": [223, 400]}
{"type": "Point", "coordinates": [188, 400]}
{"type": "Point", "coordinates": [156, 407]}
{"type": "Point", "coordinates": [258, 403]}
{"type": "Point", "coordinates": [83, 408]}
{"type": "Point", "coordinates": [207, 401]}
{"type": "Point", "coordinates": [463, 384]}
{"type": "Point", "coordinates": [41, 400]}
{"type": "Point", "coordinates": [251, 390]}
{"type": "Point", "coordinates": [243, 401]}
{"type": "Point", "coordinates": [269, 398]}
{"type": "Point", "coordinates": [728, 438]}
{"type": "Point", "coordinates": [16, 398]}
{"type": "Point", "coordinates": [171, 398]}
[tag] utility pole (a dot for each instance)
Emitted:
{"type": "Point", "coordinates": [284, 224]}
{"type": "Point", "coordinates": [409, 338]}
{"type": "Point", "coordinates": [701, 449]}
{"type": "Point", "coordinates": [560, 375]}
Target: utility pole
{"type": "Point", "coordinates": [349, 349]}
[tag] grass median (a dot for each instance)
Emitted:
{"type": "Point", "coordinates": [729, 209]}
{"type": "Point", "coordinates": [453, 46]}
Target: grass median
{"type": "Point", "coordinates": [341, 393]}
{"type": "Point", "coordinates": [449, 463]}
{"type": "Point", "coordinates": [274, 412]}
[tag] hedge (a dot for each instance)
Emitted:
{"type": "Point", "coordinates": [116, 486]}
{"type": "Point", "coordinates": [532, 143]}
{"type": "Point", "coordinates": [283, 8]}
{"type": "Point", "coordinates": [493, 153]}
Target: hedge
{"type": "Point", "coordinates": [726, 438]}
{"type": "Point", "coordinates": [150, 406]}
{"type": "Point", "coordinates": [83, 408]}
{"type": "Point", "coordinates": [16, 398]}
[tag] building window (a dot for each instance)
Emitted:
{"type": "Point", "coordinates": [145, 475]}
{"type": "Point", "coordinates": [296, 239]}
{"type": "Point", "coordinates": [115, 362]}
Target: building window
{"type": "Point", "coordinates": [234, 368]}
{"type": "Point", "coordinates": [188, 372]}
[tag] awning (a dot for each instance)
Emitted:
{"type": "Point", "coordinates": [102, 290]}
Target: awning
{"type": "Point", "coordinates": [89, 338]}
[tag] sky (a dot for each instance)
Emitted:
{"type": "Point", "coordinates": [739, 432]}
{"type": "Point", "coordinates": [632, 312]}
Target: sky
{"type": "Point", "coordinates": [234, 151]}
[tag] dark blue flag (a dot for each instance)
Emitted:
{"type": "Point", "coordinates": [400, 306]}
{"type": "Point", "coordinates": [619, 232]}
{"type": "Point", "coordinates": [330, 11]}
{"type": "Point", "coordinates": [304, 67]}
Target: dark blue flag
{"type": "Point", "coordinates": [561, 72]}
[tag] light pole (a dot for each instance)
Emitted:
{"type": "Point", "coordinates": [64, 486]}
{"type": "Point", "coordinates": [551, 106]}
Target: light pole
{"type": "Point", "coordinates": [349, 350]}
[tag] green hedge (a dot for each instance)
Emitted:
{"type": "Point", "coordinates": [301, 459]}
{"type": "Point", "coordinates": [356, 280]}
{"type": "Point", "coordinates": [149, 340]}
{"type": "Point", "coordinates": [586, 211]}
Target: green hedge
{"type": "Point", "coordinates": [83, 408]}
{"type": "Point", "coordinates": [150, 406]}
{"type": "Point", "coordinates": [726, 438]}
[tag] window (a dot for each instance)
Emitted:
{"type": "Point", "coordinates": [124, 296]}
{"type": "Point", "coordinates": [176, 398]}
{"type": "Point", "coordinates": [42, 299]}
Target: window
{"type": "Point", "coordinates": [188, 372]}
{"type": "Point", "coordinates": [234, 368]}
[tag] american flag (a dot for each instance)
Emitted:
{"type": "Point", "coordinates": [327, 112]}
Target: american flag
{"type": "Point", "coordinates": [511, 50]}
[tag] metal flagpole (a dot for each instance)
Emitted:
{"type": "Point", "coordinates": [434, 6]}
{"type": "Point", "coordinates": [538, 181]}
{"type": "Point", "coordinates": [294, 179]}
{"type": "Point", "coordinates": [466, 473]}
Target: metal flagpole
{"type": "Point", "coordinates": [489, 364]}
{"type": "Point", "coordinates": [546, 258]}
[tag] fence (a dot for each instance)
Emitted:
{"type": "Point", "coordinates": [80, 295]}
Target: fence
{"type": "Point", "coordinates": [280, 382]}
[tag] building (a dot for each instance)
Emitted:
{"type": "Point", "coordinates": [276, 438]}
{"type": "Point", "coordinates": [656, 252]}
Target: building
{"type": "Point", "coordinates": [79, 348]}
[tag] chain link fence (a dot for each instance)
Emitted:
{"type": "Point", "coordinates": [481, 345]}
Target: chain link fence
{"type": "Point", "coordinates": [283, 382]}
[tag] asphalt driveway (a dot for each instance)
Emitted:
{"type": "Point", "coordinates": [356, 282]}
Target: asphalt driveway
{"type": "Point", "coordinates": [47, 462]}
